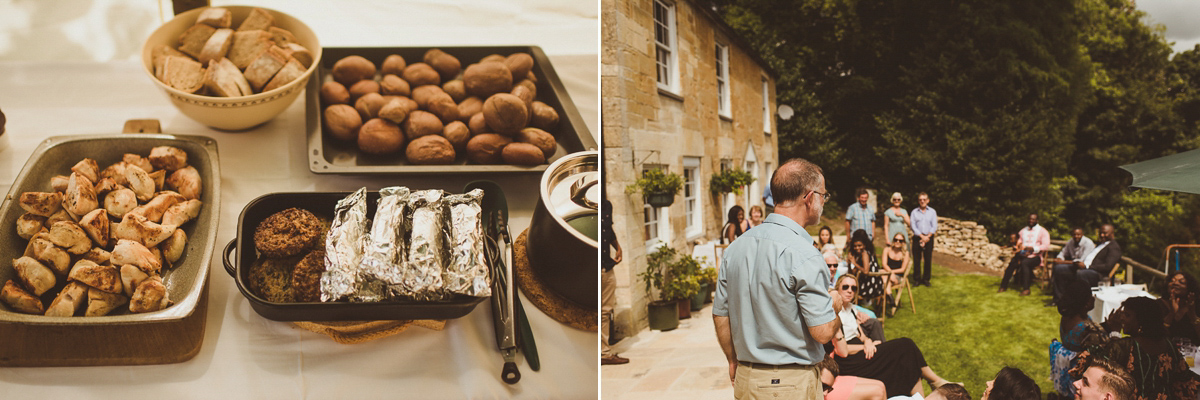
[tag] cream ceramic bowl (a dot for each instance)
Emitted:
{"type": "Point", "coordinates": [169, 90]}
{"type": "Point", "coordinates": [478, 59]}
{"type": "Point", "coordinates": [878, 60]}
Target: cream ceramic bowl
{"type": "Point", "coordinates": [232, 113]}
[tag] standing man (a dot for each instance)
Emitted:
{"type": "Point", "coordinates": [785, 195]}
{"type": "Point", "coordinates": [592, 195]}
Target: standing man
{"type": "Point", "coordinates": [924, 226]}
{"type": "Point", "coordinates": [773, 311]}
{"type": "Point", "coordinates": [768, 201]}
{"type": "Point", "coordinates": [1036, 239]}
{"type": "Point", "coordinates": [1104, 380]}
{"type": "Point", "coordinates": [859, 216]}
{"type": "Point", "coordinates": [608, 285]}
{"type": "Point", "coordinates": [1096, 265]}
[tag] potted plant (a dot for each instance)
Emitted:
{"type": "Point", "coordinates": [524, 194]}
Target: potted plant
{"type": "Point", "coordinates": [658, 187]}
{"type": "Point", "coordinates": [708, 277]}
{"type": "Point", "coordinates": [730, 180]}
{"type": "Point", "coordinates": [675, 280]}
{"type": "Point", "coordinates": [684, 284]}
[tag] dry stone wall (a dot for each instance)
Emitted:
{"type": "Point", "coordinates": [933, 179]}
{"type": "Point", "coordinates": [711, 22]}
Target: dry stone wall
{"type": "Point", "coordinates": [968, 240]}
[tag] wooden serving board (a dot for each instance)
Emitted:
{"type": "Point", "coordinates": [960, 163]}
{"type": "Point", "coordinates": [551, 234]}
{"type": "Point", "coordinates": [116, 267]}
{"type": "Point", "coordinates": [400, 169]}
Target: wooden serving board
{"type": "Point", "coordinates": [166, 342]}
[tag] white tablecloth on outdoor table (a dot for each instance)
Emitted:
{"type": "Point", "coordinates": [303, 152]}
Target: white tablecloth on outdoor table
{"type": "Point", "coordinates": [243, 354]}
{"type": "Point", "coordinates": [1109, 299]}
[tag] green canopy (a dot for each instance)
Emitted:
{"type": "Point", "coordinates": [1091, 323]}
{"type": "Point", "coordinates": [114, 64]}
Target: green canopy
{"type": "Point", "coordinates": [1178, 172]}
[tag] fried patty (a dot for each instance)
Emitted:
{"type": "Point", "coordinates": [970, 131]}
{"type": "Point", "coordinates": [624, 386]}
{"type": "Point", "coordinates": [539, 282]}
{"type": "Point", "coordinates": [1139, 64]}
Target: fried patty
{"type": "Point", "coordinates": [306, 278]}
{"type": "Point", "coordinates": [287, 233]}
{"type": "Point", "coordinates": [268, 278]}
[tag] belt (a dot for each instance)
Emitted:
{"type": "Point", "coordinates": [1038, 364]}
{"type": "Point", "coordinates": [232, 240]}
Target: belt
{"type": "Point", "coordinates": [755, 365]}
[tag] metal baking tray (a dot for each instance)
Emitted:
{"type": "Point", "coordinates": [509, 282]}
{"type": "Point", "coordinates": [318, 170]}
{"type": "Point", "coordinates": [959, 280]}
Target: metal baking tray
{"type": "Point", "coordinates": [335, 157]}
{"type": "Point", "coordinates": [322, 204]}
{"type": "Point", "coordinates": [56, 156]}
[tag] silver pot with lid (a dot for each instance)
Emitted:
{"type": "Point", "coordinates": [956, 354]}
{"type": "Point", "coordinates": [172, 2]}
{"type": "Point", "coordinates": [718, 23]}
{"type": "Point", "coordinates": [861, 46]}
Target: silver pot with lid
{"type": "Point", "coordinates": [565, 230]}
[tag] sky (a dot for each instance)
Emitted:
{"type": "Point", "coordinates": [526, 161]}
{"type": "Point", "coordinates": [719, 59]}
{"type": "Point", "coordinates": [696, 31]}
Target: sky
{"type": "Point", "coordinates": [1181, 17]}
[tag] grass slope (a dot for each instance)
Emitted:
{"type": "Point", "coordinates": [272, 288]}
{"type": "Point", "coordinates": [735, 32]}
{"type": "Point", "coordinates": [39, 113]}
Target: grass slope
{"type": "Point", "coordinates": [968, 332]}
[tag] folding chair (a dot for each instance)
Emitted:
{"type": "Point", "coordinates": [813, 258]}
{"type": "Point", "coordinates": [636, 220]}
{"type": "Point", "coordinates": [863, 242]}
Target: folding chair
{"type": "Point", "coordinates": [882, 299]}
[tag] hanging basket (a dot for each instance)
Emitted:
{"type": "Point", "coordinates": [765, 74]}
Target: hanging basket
{"type": "Point", "coordinates": [659, 200]}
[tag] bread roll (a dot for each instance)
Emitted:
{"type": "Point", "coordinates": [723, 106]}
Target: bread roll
{"type": "Point", "coordinates": [217, 46]}
{"type": "Point", "coordinates": [258, 19]}
{"type": "Point", "coordinates": [262, 69]}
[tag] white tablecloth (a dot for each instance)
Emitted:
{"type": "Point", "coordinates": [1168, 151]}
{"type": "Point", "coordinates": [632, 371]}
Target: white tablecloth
{"type": "Point", "coordinates": [247, 356]}
{"type": "Point", "coordinates": [1109, 299]}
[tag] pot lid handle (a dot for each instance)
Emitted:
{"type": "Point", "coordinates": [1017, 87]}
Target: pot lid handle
{"type": "Point", "coordinates": [581, 189]}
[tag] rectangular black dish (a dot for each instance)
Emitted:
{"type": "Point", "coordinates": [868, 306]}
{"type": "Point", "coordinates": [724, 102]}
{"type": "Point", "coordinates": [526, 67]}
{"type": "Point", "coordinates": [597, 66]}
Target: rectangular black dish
{"type": "Point", "coordinates": [328, 156]}
{"type": "Point", "coordinates": [322, 204]}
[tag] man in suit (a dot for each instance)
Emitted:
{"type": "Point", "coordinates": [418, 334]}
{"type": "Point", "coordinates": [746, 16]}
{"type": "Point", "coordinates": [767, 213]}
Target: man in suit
{"type": "Point", "coordinates": [1095, 266]}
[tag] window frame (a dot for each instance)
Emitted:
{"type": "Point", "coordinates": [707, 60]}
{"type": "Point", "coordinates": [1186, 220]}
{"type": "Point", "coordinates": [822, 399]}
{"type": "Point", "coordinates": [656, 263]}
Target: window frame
{"type": "Point", "coordinates": [667, 69]}
{"type": "Point", "coordinates": [766, 104]}
{"type": "Point", "coordinates": [692, 202]}
{"type": "Point", "coordinates": [724, 105]}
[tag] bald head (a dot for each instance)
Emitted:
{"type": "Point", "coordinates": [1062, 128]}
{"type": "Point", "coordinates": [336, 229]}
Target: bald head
{"type": "Point", "coordinates": [794, 179]}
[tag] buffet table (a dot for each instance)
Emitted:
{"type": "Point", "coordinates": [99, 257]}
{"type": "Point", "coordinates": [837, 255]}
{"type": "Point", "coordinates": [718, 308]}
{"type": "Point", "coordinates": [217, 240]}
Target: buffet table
{"type": "Point", "coordinates": [243, 354]}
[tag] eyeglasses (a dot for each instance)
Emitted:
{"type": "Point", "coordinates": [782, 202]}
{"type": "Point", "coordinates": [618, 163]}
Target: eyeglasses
{"type": "Point", "coordinates": [850, 288]}
{"type": "Point", "coordinates": [898, 240]}
{"type": "Point", "coordinates": [824, 196]}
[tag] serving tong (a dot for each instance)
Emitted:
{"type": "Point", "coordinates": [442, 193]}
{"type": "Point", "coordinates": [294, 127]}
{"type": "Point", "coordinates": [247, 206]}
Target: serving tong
{"type": "Point", "coordinates": [507, 312]}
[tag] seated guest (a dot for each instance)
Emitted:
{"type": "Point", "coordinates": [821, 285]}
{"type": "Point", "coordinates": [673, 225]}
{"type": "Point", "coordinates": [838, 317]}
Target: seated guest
{"type": "Point", "coordinates": [825, 244]}
{"type": "Point", "coordinates": [895, 257]}
{"type": "Point", "coordinates": [1076, 249]}
{"type": "Point", "coordinates": [950, 391]}
{"type": "Point", "coordinates": [865, 318]}
{"type": "Point", "coordinates": [1158, 370]}
{"type": "Point", "coordinates": [898, 363]}
{"type": "Point", "coordinates": [1035, 239]}
{"type": "Point", "coordinates": [733, 226]}
{"type": "Point", "coordinates": [862, 260]}
{"type": "Point", "coordinates": [756, 218]}
{"type": "Point", "coordinates": [1095, 264]}
{"type": "Point", "coordinates": [1103, 380]}
{"type": "Point", "coordinates": [1180, 304]}
{"type": "Point", "coordinates": [1012, 384]}
{"type": "Point", "coordinates": [1078, 332]}
{"type": "Point", "coordinates": [844, 387]}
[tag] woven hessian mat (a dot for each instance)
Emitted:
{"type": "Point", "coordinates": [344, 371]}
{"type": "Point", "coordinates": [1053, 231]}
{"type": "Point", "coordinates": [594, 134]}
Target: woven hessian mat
{"type": "Point", "coordinates": [352, 332]}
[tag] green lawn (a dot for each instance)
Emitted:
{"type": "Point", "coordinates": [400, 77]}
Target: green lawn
{"type": "Point", "coordinates": [967, 331]}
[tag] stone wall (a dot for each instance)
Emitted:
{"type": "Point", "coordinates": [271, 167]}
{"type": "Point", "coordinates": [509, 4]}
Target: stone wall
{"type": "Point", "coordinates": [968, 240]}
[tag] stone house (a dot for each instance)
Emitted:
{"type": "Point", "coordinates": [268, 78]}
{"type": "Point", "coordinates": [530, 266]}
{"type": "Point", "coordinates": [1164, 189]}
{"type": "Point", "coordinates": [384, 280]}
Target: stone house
{"type": "Point", "coordinates": [683, 92]}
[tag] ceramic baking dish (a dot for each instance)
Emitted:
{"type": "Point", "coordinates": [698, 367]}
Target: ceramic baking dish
{"type": "Point", "coordinates": [39, 340]}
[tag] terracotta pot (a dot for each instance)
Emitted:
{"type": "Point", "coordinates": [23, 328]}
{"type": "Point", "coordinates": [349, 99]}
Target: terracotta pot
{"type": "Point", "coordinates": [685, 308]}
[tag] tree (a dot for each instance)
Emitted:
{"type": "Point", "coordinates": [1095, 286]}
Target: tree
{"type": "Point", "coordinates": [1130, 117]}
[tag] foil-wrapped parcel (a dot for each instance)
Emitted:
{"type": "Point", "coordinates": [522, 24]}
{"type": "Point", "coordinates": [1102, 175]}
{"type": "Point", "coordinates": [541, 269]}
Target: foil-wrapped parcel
{"type": "Point", "coordinates": [383, 257]}
{"type": "Point", "coordinates": [467, 271]}
{"type": "Point", "coordinates": [421, 245]}
{"type": "Point", "coordinates": [427, 251]}
{"type": "Point", "coordinates": [343, 277]}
